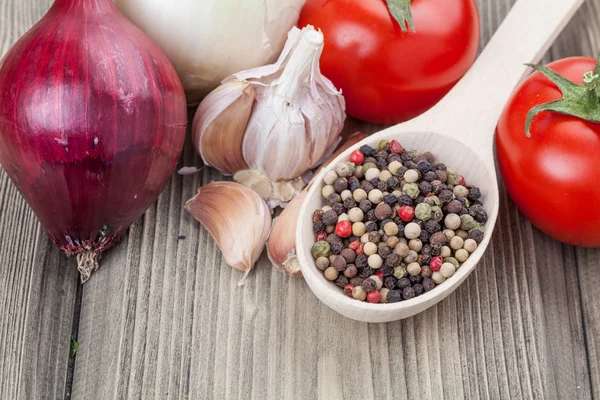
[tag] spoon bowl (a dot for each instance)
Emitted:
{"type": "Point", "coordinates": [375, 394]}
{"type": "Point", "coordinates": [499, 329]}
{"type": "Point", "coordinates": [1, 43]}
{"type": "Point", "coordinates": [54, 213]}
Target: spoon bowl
{"type": "Point", "coordinates": [459, 133]}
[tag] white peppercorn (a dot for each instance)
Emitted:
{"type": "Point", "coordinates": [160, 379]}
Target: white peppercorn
{"type": "Point", "coordinates": [375, 261]}
{"type": "Point", "coordinates": [358, 229]}
{"type": "Point", "coordinates": [345, 194]}
{"type": "Point", "coordinates": [355, 214]}
{"type": "Point", "coordinates": [411, 176]}
{"type": "Point", "coordinates": [343, 217]}
{"type": "Point", "coordinates": [364, 238]}
{"type": "Point", "coordinates": [394, 166]}
{"type": "Point", "coordinates": [447, 270]}
{"type": "Point", "coordinates": [330, 177]}
{"type": "Point", "coordinates": [384, 293]}
{"type": "Point", "coordinates": [385, 175]}
{"type": "Point", "coordinates": [415, 244]}
{"type": "Point", "coordinates": [449, 234]}
{"type": "Point", "coordinates": [327, 190]}
{"type": "Point", "coordinates": [359, 293]}
{"type": "Point", "coordinates": [445, 251]}
{"type": "Point", "coordinates": [452, 221]}
{"type": "Point", "coordinates": [456, 243]}
{"type": "Point", "coordinates": [470, 245]}
{"type": "Point", "coordinates": [461, 255]}
{"type": "Point", "coordinates": [331, 274]}
{"type": "Point", "coordinates": [460, 191]}
{"type": "Point", "coordinates": [372, 173]}
{"type": "Point", "coordinates": [412, 230]}
{"type": "Point", "coordinates": [413, 268]}
{"type": "Point", "coordinates": [370, 248]}
{"type": "Point", "coordinates": [358, 172]}
{"type": "Point", "coordinates": [402, 249]}
{"type": "Point", "coordinates": [438, 277]}
{"type": "Point", "coordinates": [375, 196]}
{"type": "Point", "coordinates": [390, 229]}
{"type": "Point", "coordinates": [377, 280]}
{"type": "Point", "coordinates": [343, 169]}
{"type": "Point", "coordinates": [322, 263]}
{"type": "Point", "coordinates": [411, 257]}
{"type": "Point", "coordinates": [359, 195]}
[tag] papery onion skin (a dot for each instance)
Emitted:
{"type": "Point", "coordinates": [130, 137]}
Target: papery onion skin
{"type": "Point", "coordinates": [92, 122]}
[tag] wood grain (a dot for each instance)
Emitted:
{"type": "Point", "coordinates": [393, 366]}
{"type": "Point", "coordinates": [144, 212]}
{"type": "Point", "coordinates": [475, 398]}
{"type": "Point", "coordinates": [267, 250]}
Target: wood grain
{"type": "Point", "coordinates": [164, 318]}
{"type": "Point", "coordinates": [38, 285]}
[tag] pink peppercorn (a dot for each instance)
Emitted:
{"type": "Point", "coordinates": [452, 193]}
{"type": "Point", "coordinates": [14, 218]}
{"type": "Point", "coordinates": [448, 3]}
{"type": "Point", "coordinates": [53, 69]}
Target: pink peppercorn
{"type": "Point", "coordinates": [436, 263]}
{"type": "Point", "coordinates": [321, 236]}
{"type": "Point", "coordinates": [406, 213]}
{"type": "Point", "coordinates": [343, 229]}
{"type": "Point", "coordinates": [357, 157]}
{"type": "Point", "coordinates": [360, 249]}
{"type": "Point", "coordinates": [379, 273]}
{"type": "Point", "coordinates": [374, 297]}
{"type": "Point", "coordinates": [396, 147]}
{"type": "Point", "coordinates": [348, 290]}
{"type": "Point", "coordinates": [355, 245]}
{"type": "Point", "coordinates": [462, 181]}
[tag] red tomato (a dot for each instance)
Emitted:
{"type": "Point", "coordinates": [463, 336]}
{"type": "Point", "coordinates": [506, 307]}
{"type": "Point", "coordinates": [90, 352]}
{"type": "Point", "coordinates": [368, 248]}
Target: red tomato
{"type": "Point", "coordinates": [386, 75]}
{"type": "Point", "coordinates": [552, 176]}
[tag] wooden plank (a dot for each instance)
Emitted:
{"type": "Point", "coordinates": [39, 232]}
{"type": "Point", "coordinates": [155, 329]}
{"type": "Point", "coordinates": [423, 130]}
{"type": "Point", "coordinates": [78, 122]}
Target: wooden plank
{"type": "Point", "coordinates": [164, 318]}
{"type": "Point", "coordinates": [38, 285]}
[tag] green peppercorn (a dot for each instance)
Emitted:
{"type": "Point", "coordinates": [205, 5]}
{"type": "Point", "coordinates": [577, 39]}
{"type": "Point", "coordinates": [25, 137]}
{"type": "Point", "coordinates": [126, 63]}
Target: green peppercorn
{"type": "Point", "coordinates": [467, 222]}
{"type": "Point", "coordinates": [382, 144]}
{"type": "Point", "coordinates": [423, 211]}
{"type": "Point", "coordinates": [452, 260]}
{"type": "Point", "coordinates": [433, 201]}
{"type": "Point", "coordinates": [367, 166]}
{"type": "Point", "coordinates": [437, 214]}
{"type": "Point", "coordinates": [478, 227]}
{"type": "Point", "coordinates": [411, 189]}
{"type": "Point", "coordinates": [453, 178]}
{"type": "Point", "coordinates": [399, 272]}
{"type": "Point", "coordinates": [321, 249]}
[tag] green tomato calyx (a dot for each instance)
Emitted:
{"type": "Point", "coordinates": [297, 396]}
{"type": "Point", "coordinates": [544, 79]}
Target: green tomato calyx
{"type": "Point", "coordinates": [400, 10]}
{"type": "Point", "coordinates": [581, 101]}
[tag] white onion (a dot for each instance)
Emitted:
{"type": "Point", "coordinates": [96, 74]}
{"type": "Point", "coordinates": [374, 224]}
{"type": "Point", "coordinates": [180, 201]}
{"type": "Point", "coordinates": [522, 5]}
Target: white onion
{"type": "Point", "coordinates": [208, 40]}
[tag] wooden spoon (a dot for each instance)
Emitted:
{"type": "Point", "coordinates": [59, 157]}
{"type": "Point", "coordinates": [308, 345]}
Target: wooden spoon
{"type": "Point", "coordinates": [459, 131]}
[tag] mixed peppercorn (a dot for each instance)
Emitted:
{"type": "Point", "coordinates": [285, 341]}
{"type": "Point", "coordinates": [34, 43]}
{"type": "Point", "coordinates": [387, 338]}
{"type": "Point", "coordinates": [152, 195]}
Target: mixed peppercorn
{"type": "Point", "coordinates": [395, 224]}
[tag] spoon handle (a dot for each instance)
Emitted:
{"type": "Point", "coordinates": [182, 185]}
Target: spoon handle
{"type": "Point", "coordinates": [471, 110]}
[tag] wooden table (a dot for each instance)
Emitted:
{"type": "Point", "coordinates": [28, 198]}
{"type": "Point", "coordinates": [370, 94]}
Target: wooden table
{"type": "Point", "coordinates": [164, 318]}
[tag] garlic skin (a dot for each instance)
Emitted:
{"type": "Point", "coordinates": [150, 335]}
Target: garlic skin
{"type": "Point", "coordinates": [281, 246]}
{"type": "Point", "coordinates": [293, 123]}
{"type": "Point", "coordinates": [237, 219]}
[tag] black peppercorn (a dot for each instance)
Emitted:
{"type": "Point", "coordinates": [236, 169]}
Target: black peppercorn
{"type": "Point", "coordinates": [361, 261]}
{"type": "Point", "coordinates": [408, 293]}
{"type": "Point", "coordinates": [383, 211]}
{"type": "Point", "coordinates": [334, 198]}
{"type": "Point", "coordinates": [402, 170]}
{"type": "Point", "coordinates": [415, 279]}
{"type": "Point", "coordinates": [393, 183]}
{"type": "Point", "coordinates": [336, 248]}
{"type": "Point", "coordinates": [317, 215]}
{"type": "Point", "coordinates": [341, 281]}
{"type": "Point", "coordinates": [330, 218]}
{"type": "Point", "coordinates": [381, 164]}
{"type": "Point", "coordinates": [366, 186]}
{"type": "Point", "coordinates": [403, 283]}
{"type": "Point", "coordinates": [349, 202]}
{"type": "Point", "coordinates": [454, 207]}
{"type": "Point", "coordinates": [369, 285]}
{"type": "Point", "coordinates": [350, 271]}
{"type": "Point", "coordinates": [405, 156]}
{"type": "Point", "coordinates": [478, 213]}
{"type": "Point", "coordinates": [424, 166]}
{"type": "Point", "coordinates": [384, 251]}
{"type": "Point", "coordinates": [371, 216]}
{"type": "Point", "coordinates": [418, 289]}
{"type": "Point", "coordinates": [426, 271]}
{"type": "Point", "coordinates": [369, 160]}
{"type": "Point", "coordinates": [374, 237]}
{"type": "Point", "coordinates": [349, 255]}
{"type": "Point", "coordinates": [383, 186]}
{"type": "Point", "coordinates": [374, 182]}
{"type": "Point", "coordinates": [425, 187]}
{"type": "Point", "coordinates": [394, 296]}
{"type": "Point", "coordinates": [390, 282]}
{"type": "Point", "coordinates": [420, 198]}
{"type": "Point", "coordinates": [353, 183]}
{"type": "Point", "coordinates": [474, 194]}
{"type": "Point", "coordinates": [370, 226]}
{"type": "Point", "coordinates": [393, 260]}
{"type": "Point", "coordinates": [432, 227]}
{"type": "Point", "coordinates": [437, 186]}
{"type": "Point", "coordinates": [430, 176]}
{"type": "Point", "coordinates": [387, 271]}
{"type": "Point", "coordinates": [445, 196]}
{"type": "Point", "coordinates": [368, 151]}
{"type": "Point", "coordinates": [405, 200]}
{"type": "Point", "coordinates": [426, 258]}
{"type": "Point", "coordinates": [356, 281]}
{"type": "Point", "coordinates": [424, 236]}
{"type": "Point", "coordinates": [441, 167]}
{"type": "Point", "coordinates": [318, 227]}
{"type": "Point", "coordinates": [390, 199]}
{"type": "Point", "coordinates": [365, 206]}
{"type": "Point", "coordinates": [333, 238]}
{"type": "Point", "coordinates": [381, 153]}
{"type": "Point", "coordinates": [428, 284]}
{"type": "Point", "coordinates": [394, 157]}
{"type": "Point", "coordinates": [340, 185]}
{"type": "Point", "coordinates": [436, 249]}
{"type": "Point", "coordinates": [476, 235]}
{"type": "Point", "coordinates": [365, 272]}
{"type": "Point", "coordinates": [338, 208]}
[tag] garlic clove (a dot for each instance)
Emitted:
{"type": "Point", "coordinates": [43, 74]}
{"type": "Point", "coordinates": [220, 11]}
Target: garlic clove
{"type": "Point", "coordinates": [281, 246]}
{"type": "Point", "coordinates": [219, 126]}
{"type": "Point", "coordinates": [237, 219]}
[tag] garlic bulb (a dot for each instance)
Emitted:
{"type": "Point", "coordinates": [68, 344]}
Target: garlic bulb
{"type": "Point", "coordinates": [280, 120]}
{"type": "Point", "coordinates": [208, 40]}
{"type": "Point", "coordinates": [237, 219]}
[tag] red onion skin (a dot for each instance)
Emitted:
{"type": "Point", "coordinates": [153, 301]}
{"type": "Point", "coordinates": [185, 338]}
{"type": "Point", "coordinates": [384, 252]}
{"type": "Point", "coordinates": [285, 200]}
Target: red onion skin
{"type": "Point", "coordinates": [92, 122]}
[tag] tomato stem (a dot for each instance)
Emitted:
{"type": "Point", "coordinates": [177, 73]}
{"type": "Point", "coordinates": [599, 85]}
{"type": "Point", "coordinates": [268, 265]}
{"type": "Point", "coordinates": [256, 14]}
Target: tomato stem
{"type": "Point", "coordinates": [581, 101]}
{"type": "Point", "coordinates": [400, 10]}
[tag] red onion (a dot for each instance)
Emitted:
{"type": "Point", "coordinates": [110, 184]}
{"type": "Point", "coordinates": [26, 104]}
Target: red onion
{"type": "Point", "coordinates": [92, 123]}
